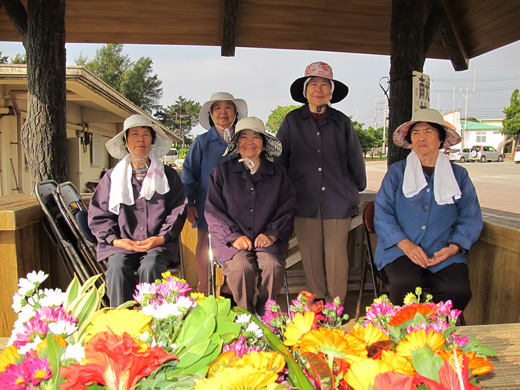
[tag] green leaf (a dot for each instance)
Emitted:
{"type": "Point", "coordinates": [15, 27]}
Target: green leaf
{"type": "Point", "coordinates": [193, 352]}
{"type": "Point", "coordinates": [71, 293]}
{"type": "Point", "coordinates": [427, 363]}
{"type": "Point", "coordinates": [191, 326]}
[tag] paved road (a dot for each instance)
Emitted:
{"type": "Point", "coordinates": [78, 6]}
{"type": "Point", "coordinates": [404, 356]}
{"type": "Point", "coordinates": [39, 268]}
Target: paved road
{"type": "Point", "coordinates": [497, 184]}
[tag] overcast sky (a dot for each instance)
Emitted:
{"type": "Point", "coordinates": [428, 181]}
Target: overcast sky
{"type": "Point", "coordinates": [262, 77]}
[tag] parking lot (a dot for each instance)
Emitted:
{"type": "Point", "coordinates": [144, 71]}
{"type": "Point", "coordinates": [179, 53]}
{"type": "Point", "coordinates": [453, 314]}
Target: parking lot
{"type": "Point", "coordinates": [497, 184]}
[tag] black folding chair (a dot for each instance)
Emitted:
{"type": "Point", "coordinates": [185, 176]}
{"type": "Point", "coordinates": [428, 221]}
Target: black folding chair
{"type": "Point", "coordinates": [378, 278]}
{"type": "Point", "coordinates": [73, 208]}
{"type": "Point", "coordinates": [59, 231]}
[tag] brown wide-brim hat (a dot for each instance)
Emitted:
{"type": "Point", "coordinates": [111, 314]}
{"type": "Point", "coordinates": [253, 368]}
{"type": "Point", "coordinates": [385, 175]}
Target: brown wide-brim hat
{"type": "Point", "coordinates": [425, 115]}
{"type": "Point", "coordinates": [116, 146]}
{"type": "Point", "coordinates": [240, 104]}
{"type": "Point", "coordinates": [272, 145]}
{"type": "Point", "coordinates": [318, 69]}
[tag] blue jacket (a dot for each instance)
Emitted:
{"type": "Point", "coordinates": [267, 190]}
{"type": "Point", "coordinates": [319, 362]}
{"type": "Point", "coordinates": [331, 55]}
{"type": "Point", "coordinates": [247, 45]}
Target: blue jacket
{"type": "Point", "coordinates": [205, 153]}
{"type": "Point", "coordinates": [422, 220]}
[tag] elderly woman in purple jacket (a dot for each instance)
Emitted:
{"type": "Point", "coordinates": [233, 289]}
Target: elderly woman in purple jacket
{"type": "Point", "coordinates": [137, 210]}
{"type": "Point", "coordinates": [250, 211]}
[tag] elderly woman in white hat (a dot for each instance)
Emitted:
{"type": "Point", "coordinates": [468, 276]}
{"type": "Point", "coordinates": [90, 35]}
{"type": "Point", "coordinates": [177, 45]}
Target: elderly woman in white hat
{"type": "Point", "coordinates": [250, 211]}
{"type": "Point", "coordinates": [219, 116]}
{"type": "Point", "coordinates": [324, 160]}
{"type": "Point", "coordinates": [136, 212]}
{"type": "Point", "coordinates": [427, 215]}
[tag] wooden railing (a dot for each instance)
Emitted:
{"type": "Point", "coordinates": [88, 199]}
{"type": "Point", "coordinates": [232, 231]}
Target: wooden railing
{"type": "Point", "coordinates": [494, 260]}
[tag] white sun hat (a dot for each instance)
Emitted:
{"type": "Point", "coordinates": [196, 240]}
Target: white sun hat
{"type": "Point", "coordinates": [116, 146]}
{"type": "Point", "coordinates": [240, 104]}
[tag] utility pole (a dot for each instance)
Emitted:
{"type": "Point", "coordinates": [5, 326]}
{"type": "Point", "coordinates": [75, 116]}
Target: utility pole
{"type": "Point", "coordinates": [466, 96]}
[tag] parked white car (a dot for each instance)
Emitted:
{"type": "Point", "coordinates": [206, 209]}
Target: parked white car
{"type": "Point", "coordinates": [517, 155]}
{"type": "Point", "coordinates": [485, 153]}
{"type": "Point", "coordinates": [461, 155]}
{"type": "Point", "coordinates": [171, 157]}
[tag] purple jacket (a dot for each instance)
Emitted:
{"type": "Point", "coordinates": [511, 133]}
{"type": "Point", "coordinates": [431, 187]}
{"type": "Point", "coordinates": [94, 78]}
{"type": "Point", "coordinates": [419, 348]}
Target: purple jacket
{"type": "Point", "coordinates": [162, 215]}
{"type": "Point", "coordinates": [238, 205]}
{"type": "Point", "coordinates": [325, 164]}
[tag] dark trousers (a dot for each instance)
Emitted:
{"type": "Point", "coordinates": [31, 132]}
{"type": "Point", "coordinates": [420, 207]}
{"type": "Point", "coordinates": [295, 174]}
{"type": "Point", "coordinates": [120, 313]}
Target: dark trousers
{"type": "Point", "coordinates": [241, 272]}
{"type": "Point", "coordinates": [450, 283]}
{"type": "Point", "coordinates": [120, 273]}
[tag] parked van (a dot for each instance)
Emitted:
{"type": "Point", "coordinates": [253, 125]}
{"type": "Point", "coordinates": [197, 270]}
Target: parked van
{"type": "Point", "coordinates": [517, 155]}
{"type": "Point", "coordinates": [171, 157]}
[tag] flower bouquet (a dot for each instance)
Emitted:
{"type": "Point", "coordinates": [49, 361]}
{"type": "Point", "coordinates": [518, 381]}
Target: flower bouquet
{"type": "Point", "coordinates": [169, 338]}
{"type": "Point", "coordinates": [405, 347]}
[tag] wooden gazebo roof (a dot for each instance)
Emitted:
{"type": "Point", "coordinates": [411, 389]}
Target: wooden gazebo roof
{"type": "Point", "coordinates": [354, 26]}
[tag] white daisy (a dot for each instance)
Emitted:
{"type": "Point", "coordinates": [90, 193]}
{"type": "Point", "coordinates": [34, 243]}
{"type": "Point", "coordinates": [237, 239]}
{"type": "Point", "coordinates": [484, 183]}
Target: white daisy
{"type": "Point", "coordinates": [255, 329]}
{"type": "Point", "coordinates": [243, 319]}
{"type": "Point", "coordinates": [74, 351]}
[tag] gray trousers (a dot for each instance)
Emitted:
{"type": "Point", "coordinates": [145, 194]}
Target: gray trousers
{"type": "Point", "coordinates": [323, 247]}
{"type": "Point", "coordinates": [121, 280]}
{"type": "Point", "coordinates": [241, 272]}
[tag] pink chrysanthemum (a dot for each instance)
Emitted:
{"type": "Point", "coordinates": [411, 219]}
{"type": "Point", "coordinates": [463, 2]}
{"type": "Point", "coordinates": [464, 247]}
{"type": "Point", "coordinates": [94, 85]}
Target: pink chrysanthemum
{"type": "Point", "coordinates": [31, 371]}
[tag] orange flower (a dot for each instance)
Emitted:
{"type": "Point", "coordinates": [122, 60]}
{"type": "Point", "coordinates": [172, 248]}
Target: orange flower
{"type": "Point", "coordinates": [334, 343]}
{"type": "Point", "coordinates": [477, 365]}
{"type": "Point", "coordinates": [118, 362]}
{"type": "Point", "coordinates": [408, 312]}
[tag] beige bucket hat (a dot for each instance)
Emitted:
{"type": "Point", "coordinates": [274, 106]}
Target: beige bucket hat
{"type": "Point", "coordinates": [116, 146]}
{"type": "Point", "coordinates": [425, 115]}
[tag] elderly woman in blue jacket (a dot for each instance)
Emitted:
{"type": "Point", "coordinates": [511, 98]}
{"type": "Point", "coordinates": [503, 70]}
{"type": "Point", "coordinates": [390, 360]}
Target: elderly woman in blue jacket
{"type": "Point", "coordinates": [427, 215]}
{"type": "Point", "coordinates": [219, 116]}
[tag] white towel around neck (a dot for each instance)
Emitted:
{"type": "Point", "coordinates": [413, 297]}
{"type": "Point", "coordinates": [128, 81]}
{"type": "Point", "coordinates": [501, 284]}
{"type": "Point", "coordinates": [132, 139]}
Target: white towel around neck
{"type": "Point", "coordinates": [121, 183]}
{"type": "Point", "coordinates": [445, 186]}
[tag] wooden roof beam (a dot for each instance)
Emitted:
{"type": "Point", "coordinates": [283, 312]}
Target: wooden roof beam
{"type": "Point", "coordinates": [452, 39]}
{"type": "Point", "coordinates": [229, 27]}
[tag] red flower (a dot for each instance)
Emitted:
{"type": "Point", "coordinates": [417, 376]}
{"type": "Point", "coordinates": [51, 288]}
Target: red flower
{"type": "Point", "coordinates": [408, 312]}
{"type": "Point", "coordinates": [114, 361]}
{"type": "Point", "coordinates": [394, 380]}
{"type": "Point", "coordinates": [453, 376]}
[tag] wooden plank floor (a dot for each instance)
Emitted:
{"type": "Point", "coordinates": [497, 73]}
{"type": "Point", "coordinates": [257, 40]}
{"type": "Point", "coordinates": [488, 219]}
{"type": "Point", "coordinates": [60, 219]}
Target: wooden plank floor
{"type": "Point", "coordinates": [505, 339]}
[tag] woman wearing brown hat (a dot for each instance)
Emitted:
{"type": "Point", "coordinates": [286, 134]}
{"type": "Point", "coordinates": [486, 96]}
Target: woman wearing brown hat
{"type": "Point", "coordinates": [250, 211]}
{"type": "Point", "coordinates": [427, 215]}
{"type": "Point", "coordinates": [324, 160]}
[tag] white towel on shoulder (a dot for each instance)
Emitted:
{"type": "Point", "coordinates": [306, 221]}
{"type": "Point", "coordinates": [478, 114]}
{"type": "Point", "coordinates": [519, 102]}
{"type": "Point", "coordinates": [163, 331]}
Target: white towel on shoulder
{"type": "Point", "coordinates": [445, 186]}
{"type": "Point", "coordinates": [121, 183]}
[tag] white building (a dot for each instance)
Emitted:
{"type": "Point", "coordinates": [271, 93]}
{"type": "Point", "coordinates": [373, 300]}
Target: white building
{"type": "Point", "coordinates": [486, 132]}
{"type": "Point", "coordinates": [95, 113]}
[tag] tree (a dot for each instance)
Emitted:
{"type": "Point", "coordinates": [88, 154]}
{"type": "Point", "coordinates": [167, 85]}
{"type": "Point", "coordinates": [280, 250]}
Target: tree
{"type": "Point", "coordinates": [41, 27]}
{"type": "Point", "coordinates": [180, 117]}
{"type": "Point", "coordinates": [3, 59]}
{"type": "Point", "coordinates": [133, 80]}
{"type": "Point", "coordinates": [511, 123]}
{"type": "Point", "coordinates": [277, 116]}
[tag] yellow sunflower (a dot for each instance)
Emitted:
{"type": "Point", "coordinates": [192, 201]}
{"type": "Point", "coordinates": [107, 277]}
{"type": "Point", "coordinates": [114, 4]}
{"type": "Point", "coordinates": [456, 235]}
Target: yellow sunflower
{"type": "Point", "coordinates": [477, 365]}
{"type": "Point", "coordinates": [299, 325]}
{"type": "Point", "coordinates": [362, 374]}
{"type": "Point", "coordinates": [334, 343]}
{"type": "Point", "coordinates": [262, 361]}
{"type": "Point", "coordinates": [418, 339]}
{"type": "Point", "coordinates": [119, 321]}
{"type": "Point", "coordinates": [370, 334]}
{"type": "Point", "coordinates": [8, 356]}
{"type": "Point", "coordinates": [397, 363]}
